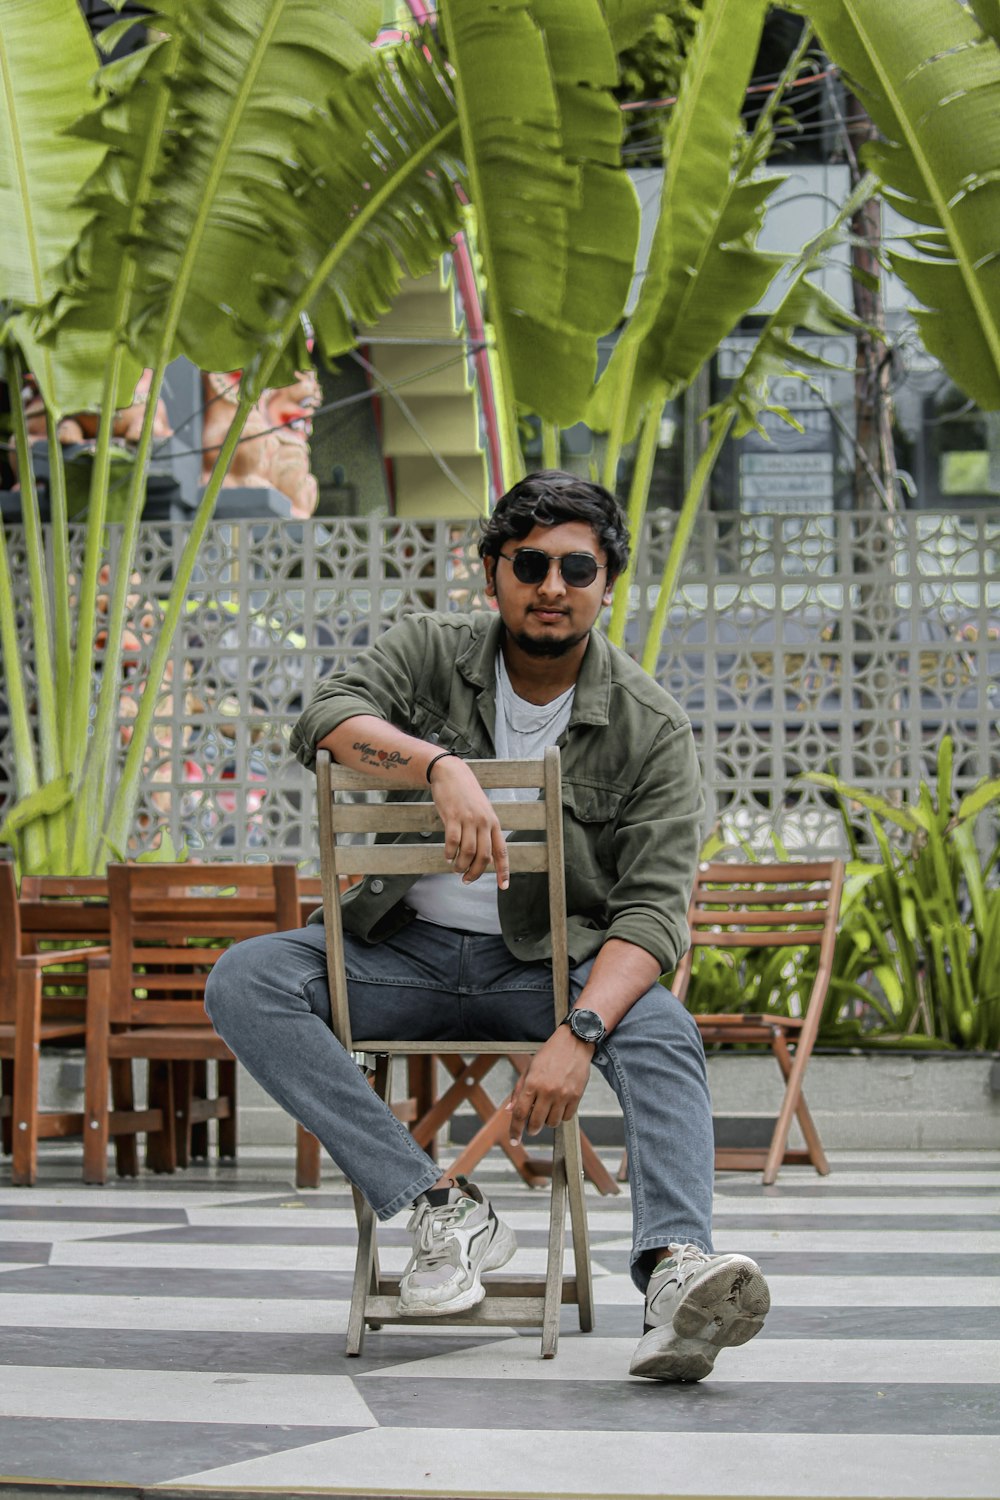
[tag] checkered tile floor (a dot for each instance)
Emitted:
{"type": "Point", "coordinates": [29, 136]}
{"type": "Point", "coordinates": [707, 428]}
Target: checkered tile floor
{"type": "Point", "coordinates": [188, 1332]}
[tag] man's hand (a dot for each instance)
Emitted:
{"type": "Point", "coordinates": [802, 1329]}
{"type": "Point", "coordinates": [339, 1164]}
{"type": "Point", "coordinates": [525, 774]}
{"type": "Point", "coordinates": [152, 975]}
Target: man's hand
{"type": "Point", "coordinates": [550, 1090]}
{"type": "Point", "coordinates": [472, 832]}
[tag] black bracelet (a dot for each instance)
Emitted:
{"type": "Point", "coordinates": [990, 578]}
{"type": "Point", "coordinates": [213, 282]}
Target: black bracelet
{"type": "Point", "coordinates": [440, 756]}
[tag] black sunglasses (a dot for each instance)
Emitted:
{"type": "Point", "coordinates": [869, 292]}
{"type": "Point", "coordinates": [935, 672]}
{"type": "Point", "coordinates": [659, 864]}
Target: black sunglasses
{"type": "Point", "coordinates": [578, 569]}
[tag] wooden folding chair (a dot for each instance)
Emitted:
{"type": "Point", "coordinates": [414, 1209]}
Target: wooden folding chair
{"type": "Point", "coordinates": [429, 1112]}
{"type": "Point", "coordinates": [788, 905]}
{"type": "Point", "coordinates": [42, 1003]}
{"type": "Point", "coordinates": [168, 925]}
{"type": "Point", "coordinates": [510, 1299]}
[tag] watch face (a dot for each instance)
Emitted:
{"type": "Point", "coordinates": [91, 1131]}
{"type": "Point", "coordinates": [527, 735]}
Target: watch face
{"type": "Point", "coordinates": [587, 1025]}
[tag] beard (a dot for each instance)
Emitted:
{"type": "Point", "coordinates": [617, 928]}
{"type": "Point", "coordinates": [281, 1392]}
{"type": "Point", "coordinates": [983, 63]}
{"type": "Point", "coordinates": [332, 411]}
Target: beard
{"type": "Point", "coordinates": [548, 646]}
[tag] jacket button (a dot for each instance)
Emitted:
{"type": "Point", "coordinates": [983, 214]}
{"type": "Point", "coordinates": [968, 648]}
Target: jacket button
{"type": "Point", "coordinates": [377, 887]}
{"type": "Point", "coordinates": [425, 833]}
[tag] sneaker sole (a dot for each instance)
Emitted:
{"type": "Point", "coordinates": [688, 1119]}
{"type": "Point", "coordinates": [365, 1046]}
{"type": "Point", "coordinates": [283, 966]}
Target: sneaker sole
{"type": "Point", "coordinates": [723, 1309]}
{"type": "Point", "coordinates": [503, 1247]}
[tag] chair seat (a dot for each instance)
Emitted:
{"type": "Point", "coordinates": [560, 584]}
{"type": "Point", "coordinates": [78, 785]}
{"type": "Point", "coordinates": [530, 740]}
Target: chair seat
{"type": "Point", "coordinates": [785, 1023]}
{"type": "Point", "coordinates": [48, 1031]}
{"type": "Point", "coordinates": [186, 1043]}
{"type": "Point", "coordinates": [383, 1048]}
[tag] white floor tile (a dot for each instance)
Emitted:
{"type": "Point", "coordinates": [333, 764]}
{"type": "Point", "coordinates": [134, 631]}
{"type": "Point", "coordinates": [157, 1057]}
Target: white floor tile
{"type": "Point", "coordinates": [183, 1396]}
{"type": "Point", "coordinates": [609, 1464]}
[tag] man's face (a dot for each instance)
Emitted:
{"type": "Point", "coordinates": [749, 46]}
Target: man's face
{"type": "Point", "coordinates": [550, 617]}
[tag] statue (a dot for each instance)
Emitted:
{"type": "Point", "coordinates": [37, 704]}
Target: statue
{"type": "Point", "coordinates": [274, 448]}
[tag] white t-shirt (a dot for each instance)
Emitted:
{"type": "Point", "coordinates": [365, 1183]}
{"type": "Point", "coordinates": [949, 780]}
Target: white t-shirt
{"type": "Point", "coordinates": [524, 731]}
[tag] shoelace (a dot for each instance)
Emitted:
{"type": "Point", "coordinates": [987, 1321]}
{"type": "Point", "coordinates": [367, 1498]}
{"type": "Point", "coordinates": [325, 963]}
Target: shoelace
{"type": "Point", "coordinates": [686, 1261]}
{"type": "Point", "coordinates": [431, 1225]}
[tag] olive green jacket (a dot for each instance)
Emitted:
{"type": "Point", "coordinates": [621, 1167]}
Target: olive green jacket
{"type": "Point", "coordinates": [631, 785]}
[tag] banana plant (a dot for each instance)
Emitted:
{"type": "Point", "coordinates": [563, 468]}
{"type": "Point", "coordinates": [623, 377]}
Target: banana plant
{"type": "Point", "coordinates": [928, 72]}
{"type": "Point", "coordinates": [190, 138]}
{"type": "Point", "coordinates": [929, 929]}
{"type": "Point", "coordinates": [553, 217]}
{"type": "Point", "coordinates": [255, 164]}
{"type": "Point", "coordinates": [705, 270]}
{"type": "Point", "coordinates": [804, 308]}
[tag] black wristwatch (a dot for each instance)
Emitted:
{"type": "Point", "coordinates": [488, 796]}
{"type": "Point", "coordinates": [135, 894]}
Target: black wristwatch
{"type": "Point", "coordinates": [587, 1025]}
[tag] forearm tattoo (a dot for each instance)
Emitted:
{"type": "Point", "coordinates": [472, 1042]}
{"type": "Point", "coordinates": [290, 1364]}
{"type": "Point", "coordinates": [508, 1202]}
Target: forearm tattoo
{"type": "Point", "coordinates": [380, 760]}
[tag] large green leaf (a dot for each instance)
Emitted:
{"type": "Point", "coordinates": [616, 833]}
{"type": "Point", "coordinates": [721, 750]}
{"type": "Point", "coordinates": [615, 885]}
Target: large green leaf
{"type": "Point", "coordinates": [988, 16]}
{"type": "Point", "coordinates": [931, 81]}
{"type": "Point", "coordinates": [556, 219]}
{"type": "Point", "coordinates": [42, 170]}
{"type": "Point", "coordinates": [704, 271]}
{"type": "Point", "coordinates": [38, 102]}
{"type": "Point", "coordinates": [371, 193]}
{"type": "Point", "coordinates": [93, 296]}
{"type": "Point", "coordinates": [628, 20]}
{"type": "Point", "coordinates": [247, 72]}
{"type": "Point", "coordinates": [803, 308]}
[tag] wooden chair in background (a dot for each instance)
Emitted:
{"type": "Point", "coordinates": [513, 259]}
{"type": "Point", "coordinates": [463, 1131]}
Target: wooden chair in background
{"type": "Point", "coordinates": [168, 925]}
{"type": "Point", "coordinates": [42, 1004]}
{"type": "Point", "coordinates": [510, 1299]}
{"type": "Point", "coordinates": [786, 905]}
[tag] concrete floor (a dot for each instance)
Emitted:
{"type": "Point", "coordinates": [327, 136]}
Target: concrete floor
{"type": "Point", "coordinates": [187, 1333]}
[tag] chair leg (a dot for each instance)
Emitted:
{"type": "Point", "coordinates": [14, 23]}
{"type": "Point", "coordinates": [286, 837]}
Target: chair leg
{"type": "Point", "coordinates": [496, 1132]}
{"type": "Point", "coordinates": [96, 1080]}
{"type": "Point", "coordinates": [439, 1111]}
{"type": "Point", "coordinates": [198, 1130]}
{"type": "Point", "coordinates": [24, 1103]}
{"type": "Point", "coordinates": [366, 1267]}
{"type": "Point", "coordinates": [420, 1068]}
{"type": "Point", "coordinates": [308, 1168]}
{"type": "Point", "coordinates": [185, 1086]}
{"type": "Point", "coordinates": [123, 1099]}
{"type": "Point", "coordinates": [161, 1145]}
{"type": "Point", "coordinates": [226, 1083]}
{"type": "Point", "coordinates": [793, 1104]}
{"type": "Point", "coordinates": [578, 1222]}
{"type": "Point", "coordinates": [365, 1274]}
{"type": "Point", "coordinates": [6, 1092]}
{"type": "Point", "coordinates": [556, 1249]}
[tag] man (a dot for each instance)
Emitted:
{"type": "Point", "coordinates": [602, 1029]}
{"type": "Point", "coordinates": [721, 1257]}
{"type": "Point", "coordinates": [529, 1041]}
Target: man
{"type": "Point", "coordinates": [467, 954]}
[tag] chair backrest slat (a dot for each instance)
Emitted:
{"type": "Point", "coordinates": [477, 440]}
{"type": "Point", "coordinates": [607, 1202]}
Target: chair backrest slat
{"type": "Point", "coordinates": [784, 904]}
{"type": "Point", "coordinates": [168, 929]}
{"type": "Point", "coordinates": [422, 859]}
{"type": "Point", "coordinates": [417, 815]}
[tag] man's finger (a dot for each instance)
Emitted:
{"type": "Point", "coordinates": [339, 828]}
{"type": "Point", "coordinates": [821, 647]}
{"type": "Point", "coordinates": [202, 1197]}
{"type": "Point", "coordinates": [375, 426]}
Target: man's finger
{"type": "Point", "coordinates": [521, 1107]}
{"type": "Point", "coordinates": [500, 858]}
{"type": "Point", "coordinates": [539, 1114]}
{"type": "Point", "coordinates": [481, 858]}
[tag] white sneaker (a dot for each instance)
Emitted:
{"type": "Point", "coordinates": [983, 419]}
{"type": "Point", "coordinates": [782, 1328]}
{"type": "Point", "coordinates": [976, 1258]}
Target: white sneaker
{"type": "Point", "coordinates": [456, 1237]}
{"type": "Point", "coordinates": [697, 1304]}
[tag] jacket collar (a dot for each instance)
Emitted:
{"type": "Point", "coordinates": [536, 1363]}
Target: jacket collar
{"type": "Point", "coordinates": [592, 700]}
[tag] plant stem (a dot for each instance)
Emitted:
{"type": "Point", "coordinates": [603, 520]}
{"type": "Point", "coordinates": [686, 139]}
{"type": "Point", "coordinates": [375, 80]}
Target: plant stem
{"type": "Point", "coordinates": [60, 580]}
{"type": "Point", "coordinates": [619, 416]}
{"type": "Point", "coordinates": [91, 798]}
{"type": "Point", "coordinates": [48, 727]}
{"type": "Point", "coordinates": [638, 498]}
{"type": "Point", "coordinates": [550, 445]}
{"type": "Point", "coordinates": [127, 792]}
{"type": "Point", "coordinates": [85, 624]}
{"type": "Point", "coordinates": [681, 537]}
{"type": "Point", "coordinates": [25, 764]}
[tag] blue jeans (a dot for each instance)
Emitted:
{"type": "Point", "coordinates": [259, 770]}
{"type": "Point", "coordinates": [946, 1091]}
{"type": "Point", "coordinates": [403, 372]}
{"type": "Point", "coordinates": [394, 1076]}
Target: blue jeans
{"type": "Point", "coordinates": [268, 999]}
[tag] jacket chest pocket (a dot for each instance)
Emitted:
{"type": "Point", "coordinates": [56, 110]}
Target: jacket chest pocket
{"type": "Point", "coordinates": [590, 815]}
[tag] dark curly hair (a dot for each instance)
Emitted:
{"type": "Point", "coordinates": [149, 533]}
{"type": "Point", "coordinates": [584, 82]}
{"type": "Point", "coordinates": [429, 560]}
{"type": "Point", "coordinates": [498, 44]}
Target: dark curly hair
{"type": "Point", "coordinates": [549, 498]}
